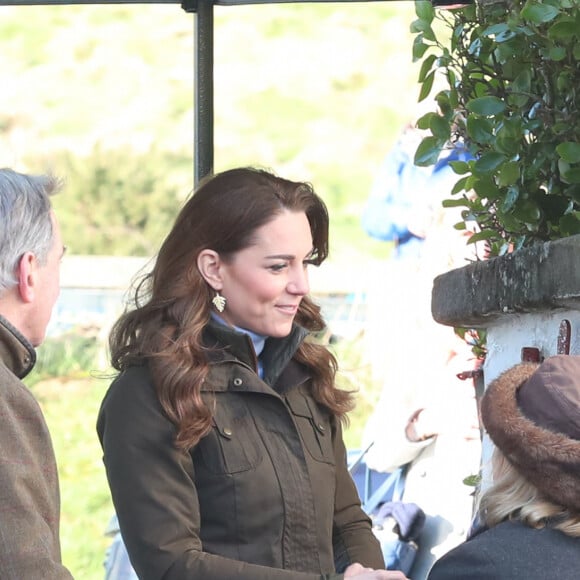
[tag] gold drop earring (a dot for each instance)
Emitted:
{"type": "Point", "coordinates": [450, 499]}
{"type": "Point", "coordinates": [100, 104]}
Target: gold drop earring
{"type": "Point", "coordinates": [219, 302]}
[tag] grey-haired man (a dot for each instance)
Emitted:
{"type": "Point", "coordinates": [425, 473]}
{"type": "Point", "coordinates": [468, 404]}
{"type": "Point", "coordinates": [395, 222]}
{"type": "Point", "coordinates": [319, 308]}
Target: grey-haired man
{"type": "Point", "coordinates": [30, 253]}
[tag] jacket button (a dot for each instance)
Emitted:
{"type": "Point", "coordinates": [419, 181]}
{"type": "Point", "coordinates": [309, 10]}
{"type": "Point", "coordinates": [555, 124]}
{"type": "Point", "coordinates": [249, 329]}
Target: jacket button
{"type": "Point", "coordinates": [227, 432]}
{"type": "Point", "coordinates": [238, 382]}
{"type": "Point", "coordinates": [321, 427]}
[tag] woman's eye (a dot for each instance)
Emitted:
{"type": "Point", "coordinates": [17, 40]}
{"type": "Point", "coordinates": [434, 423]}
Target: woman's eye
{"type": "Point", "coordinates": [278, 267]}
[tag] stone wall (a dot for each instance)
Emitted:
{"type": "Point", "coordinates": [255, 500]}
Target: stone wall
{"type": "Point", "coordinates": [521, 299]}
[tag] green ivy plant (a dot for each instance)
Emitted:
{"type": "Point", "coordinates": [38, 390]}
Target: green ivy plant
{"type": "Point", "coordinates": [511, 94]}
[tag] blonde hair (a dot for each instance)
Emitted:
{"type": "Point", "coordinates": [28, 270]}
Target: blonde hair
{"type": "Point", "coordinates": [512, 497]}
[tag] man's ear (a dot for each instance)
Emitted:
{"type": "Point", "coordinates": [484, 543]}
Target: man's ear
{"type": "Point", "coordinates": [208, 263]}
{"type": "Point", "coordinates": [26, 272]}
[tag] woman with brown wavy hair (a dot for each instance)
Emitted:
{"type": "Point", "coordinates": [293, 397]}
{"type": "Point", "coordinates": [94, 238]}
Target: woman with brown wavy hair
{"type": "Point", "coordinates": [222, 431]}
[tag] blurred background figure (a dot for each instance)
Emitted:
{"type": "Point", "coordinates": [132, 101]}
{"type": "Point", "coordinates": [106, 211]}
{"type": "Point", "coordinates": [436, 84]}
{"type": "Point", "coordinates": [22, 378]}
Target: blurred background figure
{"type": "Point", "coordinates": [117, 563]}
{"type": "Point", "coordinates": [531, 512]}
{"type": "Point", "coordinates": [426, 416]}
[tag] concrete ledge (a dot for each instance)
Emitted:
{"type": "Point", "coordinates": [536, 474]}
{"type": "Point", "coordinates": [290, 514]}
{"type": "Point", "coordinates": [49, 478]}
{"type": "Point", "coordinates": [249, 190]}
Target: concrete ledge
{"type": "Point", "coordinates": [540, 278]}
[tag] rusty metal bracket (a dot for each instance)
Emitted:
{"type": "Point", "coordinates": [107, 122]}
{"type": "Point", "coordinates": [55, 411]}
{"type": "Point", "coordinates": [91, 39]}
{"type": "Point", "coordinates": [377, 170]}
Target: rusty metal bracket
{"type": "Point", "coordinates": [531, 354]}
{"type": "Point", "coordinates": [472, 374]}
{"type": "Point", "coordinates": [564, 337]}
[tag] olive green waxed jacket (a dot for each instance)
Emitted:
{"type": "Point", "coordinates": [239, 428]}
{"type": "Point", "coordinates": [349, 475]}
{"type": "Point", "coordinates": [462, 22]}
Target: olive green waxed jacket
{"type": "Point", "coordinates": [266, 495]}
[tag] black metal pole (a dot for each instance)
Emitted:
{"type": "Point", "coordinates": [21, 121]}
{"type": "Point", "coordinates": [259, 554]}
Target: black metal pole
{"type": "Point", "coordinates": [203, 105]}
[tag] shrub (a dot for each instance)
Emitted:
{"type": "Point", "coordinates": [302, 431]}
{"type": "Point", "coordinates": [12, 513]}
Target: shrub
{"type": "Point", "coordinates": [73, 354]}
{"type": "Point", "coordinates": [512, 74]}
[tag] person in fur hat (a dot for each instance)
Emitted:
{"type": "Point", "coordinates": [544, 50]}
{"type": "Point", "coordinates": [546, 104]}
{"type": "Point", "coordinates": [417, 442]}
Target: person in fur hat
{"type": "Point", "coordinates": [531, 512]}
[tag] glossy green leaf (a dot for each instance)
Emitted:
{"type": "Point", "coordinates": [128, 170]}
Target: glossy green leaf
{"type": "Point", "coordinates": [563, 30]}
{"type": "Point", "coordinates": [487, 106]}
{"type": "Point", "coordinates": [440, 128]}
{"type": "Point", "coordinates": [489, 162]}
{"type": "Point", "coordinates": [517, 100]}
{"type": "Point", "coordinates": [495, 29]}
{"type": "Point", "coordinates": [528, 212]}
{"type": "Point", "coordinates": [419, 48]}
{"type": "Point", "coordinates": [563, 82]}
{"type": "Point", "coordinates": [462, 202]}
{"type": "Point", "coordinates": [426, 67]}
{"type": "Point", "coordinates": [557, 53]}
{"type": "Point", "coordinates": [479, 129]}
{"type": "Point", "coordinates": [570, 224]}
{"type": "Point", "coordinates": [539, 13]}
{"type": "Point", "coordinates": [486, 188]}
{"type": "Point", "coordinates": [443, 104]}
{"type": "Point", "coordinates": [569, 151]}
{"type": "Point", "coordinates": [508, 222]}
{"type": "Point", "coordinates": [423, 26]}
{"type": "Point", "coordinates": [461, 185]}
{"type": "Point", "coordinates": [428, 152]}
{"type": "Point", "coordinates": [505, 36]}
{"type": "Point", "coordinates": [522, 82]}
{"type": "Point", "coordinates": [426, 86]}
{"type": "Point", "coordinates": [482, 236]}
{"type": "Point", "coordinates": [460, 167]}
{"type": "Point", "coordinates": [511, 126]}
{"type": "Point", "coordinates": [424, 120]}
{"type": "Point", "coordinates": [509, 173]}
{"type": "Point", "coordinates": [572, 175]}
{"type": "Point", "coordinates": [510, 200]}
{"type": "Point", "coordinates": [507, 145]}
{"type": "Point", "coordinates": [424, 10]}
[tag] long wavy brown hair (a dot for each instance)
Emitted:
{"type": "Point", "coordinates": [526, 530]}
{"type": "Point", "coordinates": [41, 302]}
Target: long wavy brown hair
{"type": "Point", "coordinates": [172, 303]}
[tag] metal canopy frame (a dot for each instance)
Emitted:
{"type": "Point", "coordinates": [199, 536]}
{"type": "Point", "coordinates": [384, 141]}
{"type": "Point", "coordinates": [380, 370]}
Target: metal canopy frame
{"type": "Point", "coordinates": [203, 63]}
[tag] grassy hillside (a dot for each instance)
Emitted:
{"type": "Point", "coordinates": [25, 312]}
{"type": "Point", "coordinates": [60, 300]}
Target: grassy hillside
{"type": "Point", "coordinates": [313, 91]}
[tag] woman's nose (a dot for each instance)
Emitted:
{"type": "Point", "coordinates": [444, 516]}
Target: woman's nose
{"type": "Point", "coordinates": [298, 284]}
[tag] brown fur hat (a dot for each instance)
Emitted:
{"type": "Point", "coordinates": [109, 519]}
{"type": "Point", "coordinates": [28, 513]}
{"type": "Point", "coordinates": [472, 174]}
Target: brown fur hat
{"type": "Point", "coordinates": [532, 414]}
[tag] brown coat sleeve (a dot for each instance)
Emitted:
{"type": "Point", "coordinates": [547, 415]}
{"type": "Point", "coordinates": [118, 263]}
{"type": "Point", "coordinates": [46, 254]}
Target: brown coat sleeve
{"type": "Point", "coordinates": [29, 494]}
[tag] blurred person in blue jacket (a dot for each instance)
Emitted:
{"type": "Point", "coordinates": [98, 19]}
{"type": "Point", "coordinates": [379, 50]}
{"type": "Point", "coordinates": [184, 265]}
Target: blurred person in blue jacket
{"type": "Point", "coordinates": [404, 200]}
{"type": "Point", "coordinates": [426, 416]}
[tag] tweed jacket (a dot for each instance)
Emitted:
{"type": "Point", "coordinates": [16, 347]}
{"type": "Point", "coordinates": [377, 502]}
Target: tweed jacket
{"type": "Point", "coordinates": [266, 495]}
{"type": "Point", "coordinates": [29, 493]}
{"type": "Point", "coordinates": [512, 551]}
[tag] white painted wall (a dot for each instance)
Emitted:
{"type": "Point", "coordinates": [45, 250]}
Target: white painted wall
{"type": "Point", "coordinates": [509, 334]}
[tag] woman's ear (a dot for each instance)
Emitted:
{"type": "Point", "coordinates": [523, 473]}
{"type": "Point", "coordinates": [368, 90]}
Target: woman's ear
{"type": "Point", "coordinates": [208, 264]}
{"type": "Point", "coordinates": [26, 271]}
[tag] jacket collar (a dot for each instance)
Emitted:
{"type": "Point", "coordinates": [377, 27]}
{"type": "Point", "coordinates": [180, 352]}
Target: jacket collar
{"type": "Point", "coordinates": [16, 352]}
{"type": "Point", "coordinates": [229, 344]}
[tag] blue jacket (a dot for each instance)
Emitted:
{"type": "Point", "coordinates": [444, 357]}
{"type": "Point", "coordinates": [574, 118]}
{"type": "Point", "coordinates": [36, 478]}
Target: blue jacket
{"type": "Point", "coordinates": [399, 189]}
